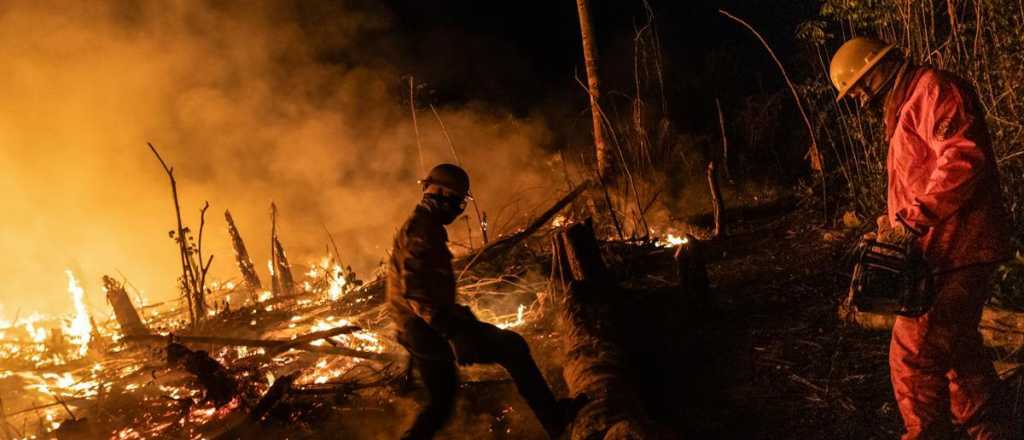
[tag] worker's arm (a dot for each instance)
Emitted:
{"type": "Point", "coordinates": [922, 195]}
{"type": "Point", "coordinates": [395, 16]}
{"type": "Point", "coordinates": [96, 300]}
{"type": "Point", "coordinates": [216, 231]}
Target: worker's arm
{"type": "Point", "coordinates": [951, 129]}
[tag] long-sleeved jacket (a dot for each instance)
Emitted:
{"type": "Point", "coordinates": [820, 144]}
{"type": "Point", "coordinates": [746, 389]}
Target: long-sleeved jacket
{"type": "Point", "coordinates": [421, 282]}
{"type": "Point", "coordinates": [942, 170]}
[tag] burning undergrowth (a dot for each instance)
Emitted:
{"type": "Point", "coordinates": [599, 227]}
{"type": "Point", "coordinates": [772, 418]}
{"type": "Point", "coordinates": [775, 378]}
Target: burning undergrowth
{"type": "Point", "coordinates": [308, 363]}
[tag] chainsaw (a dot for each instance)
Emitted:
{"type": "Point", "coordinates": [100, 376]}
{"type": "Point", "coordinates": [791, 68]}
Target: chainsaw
{"type": "Point", "coordinates": [887, 274]}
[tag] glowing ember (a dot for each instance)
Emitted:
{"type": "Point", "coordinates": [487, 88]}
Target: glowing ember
{"type": "Point", "coordinates": [79, 332]}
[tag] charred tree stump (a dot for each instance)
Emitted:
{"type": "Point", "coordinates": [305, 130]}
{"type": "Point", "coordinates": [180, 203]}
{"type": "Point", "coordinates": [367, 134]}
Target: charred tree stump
{"type": "Point", "coordinates": [252, 280]}
{"type": "Point", "coordinates": [281, 271]}
{"type": "Point", "coordinates": [595, 363]}
{"type": "Point", "coordinates": [716, 200]}
{"type": "Point", "coordinates": [127, 317]}
{"type": "Point", "coordinates": [220, 386]}
{"type": "Point", "coordinates": [693, 273]}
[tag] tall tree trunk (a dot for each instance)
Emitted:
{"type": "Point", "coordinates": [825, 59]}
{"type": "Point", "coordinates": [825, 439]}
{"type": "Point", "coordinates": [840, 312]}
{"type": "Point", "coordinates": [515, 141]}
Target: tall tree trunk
{"type": "Point", "coordinates": [593, 85]}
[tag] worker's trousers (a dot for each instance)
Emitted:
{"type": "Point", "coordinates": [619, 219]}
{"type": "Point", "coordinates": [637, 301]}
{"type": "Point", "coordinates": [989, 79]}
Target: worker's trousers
{"type": "Point", "coordinates": [434, 360]}
{"type": "Point", "coordinates": [941, 372]}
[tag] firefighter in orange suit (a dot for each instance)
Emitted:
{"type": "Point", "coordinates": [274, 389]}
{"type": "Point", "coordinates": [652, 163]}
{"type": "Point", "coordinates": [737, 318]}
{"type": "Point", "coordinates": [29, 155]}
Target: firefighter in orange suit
{"type": "Point", "coordinates": [944, 198]}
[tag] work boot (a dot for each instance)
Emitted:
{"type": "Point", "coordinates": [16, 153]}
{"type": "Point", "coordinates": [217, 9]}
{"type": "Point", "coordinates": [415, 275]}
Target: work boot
{"type": "Point", "coordinates": [566, 411]}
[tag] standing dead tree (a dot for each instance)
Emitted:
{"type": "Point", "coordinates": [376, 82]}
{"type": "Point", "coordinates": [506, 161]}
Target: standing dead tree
{"type": "Point", "coordinates": [593, 87]}
{"type": "Point", "coordinates": [124, 311]}
{"type": "Point", "coordinates": [193, 273]}
{"type": "Point", "coordinates": [595, 363]}
{"type": "Point", "coordinates": [282, 281]}
{"type": "Point", "coordinates": [716, 200]}
{"type": "Point", "coordinates": [252, 280]}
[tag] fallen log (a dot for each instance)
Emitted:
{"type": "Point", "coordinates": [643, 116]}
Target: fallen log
{"type": "Point", "coordinates": [1000, 328]}
{"type": "Point", "coordinates": [277, 344]}
{"type": "Point", "coordinates": [125, 313]}
{"type": "Point", "coordinates": [498, 247]}
{"type": "Point", "coordinates": [595, 363]}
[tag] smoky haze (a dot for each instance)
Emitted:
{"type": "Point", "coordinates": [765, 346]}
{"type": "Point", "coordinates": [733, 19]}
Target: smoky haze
{"type": "Point", "coordinates": [240, 100]}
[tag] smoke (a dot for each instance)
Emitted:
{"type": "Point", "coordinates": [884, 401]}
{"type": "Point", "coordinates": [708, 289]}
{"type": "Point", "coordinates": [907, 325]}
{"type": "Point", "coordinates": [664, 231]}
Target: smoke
{"type": "Point", "coordinates": [250, 103]}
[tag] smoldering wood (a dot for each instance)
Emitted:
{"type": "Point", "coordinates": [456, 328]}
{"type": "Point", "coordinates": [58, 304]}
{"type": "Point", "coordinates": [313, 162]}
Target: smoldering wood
{"type": "Point", "coordinates": [717, 205]}
{"type": "Point", "coordinates": [595, 363]}
{"type": "Point", "coordinates": [283, 283]}
{"type": "Point", "coordinates": [245, 265]}
{"type": "Point", "coordinates": [278, 345]}
{"type": "Point", "coordinates": [219, 385]}
{"type": "Point", "coordinates": [283, 269]}
{"type": "Point", "coordinates": [125, 313]}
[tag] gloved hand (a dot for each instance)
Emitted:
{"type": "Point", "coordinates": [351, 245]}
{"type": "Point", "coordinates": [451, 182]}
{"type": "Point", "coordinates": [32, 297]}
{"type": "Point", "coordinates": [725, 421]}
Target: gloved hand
{"type": "Point", "coordinates": [898, 233]}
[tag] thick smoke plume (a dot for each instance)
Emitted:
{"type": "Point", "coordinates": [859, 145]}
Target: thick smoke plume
{"type": "Point", "coordinates": [251, 103]}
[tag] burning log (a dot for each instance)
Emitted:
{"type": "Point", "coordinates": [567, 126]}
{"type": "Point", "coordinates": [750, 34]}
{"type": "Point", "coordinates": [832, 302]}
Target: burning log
{"type": "Point", "coordinates": [276, 345]}
{"type": "Point", "coordinates": [252, 280]}
{"type": "Point", "coordinates": [220, 386]}
{"type": "Point", "coordinates": [595, 360]}
{"type": "Point", "coordinates": [282, 281]}
{"type": "Point", "coordinates": [124, 311]}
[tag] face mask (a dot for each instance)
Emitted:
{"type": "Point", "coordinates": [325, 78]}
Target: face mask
{"type": "Point", "coordinates": [450, 207]}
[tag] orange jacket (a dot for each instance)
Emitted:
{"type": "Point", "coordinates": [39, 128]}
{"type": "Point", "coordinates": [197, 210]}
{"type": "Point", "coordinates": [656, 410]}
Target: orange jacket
{"type": "Point", "coordinates": [942, 171]}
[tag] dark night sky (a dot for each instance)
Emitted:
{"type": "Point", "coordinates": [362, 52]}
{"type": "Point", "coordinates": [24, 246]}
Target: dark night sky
{"type": "Point", "coordinates": [495, 51]}
{"type": "Point", "coordinates": [524, 55]}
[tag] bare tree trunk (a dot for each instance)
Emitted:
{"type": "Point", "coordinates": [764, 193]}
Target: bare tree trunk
{"type": "Point", "coordinates": [188, 276]}
{"type": "Point", "coordinates": [127, 317]}
{"type": "Point", "coordinates": [716, 200]}
{"type": "Point", "coordinates": [725, 140]}
{"type": "Point", "coordinates": [245, 265]}
{"type": "Point", "coordinates": [594, 89]}
{"type": "Point", "coordinates": [595, 363]}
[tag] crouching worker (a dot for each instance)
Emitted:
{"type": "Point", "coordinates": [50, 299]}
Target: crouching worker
{"type": "Point", "coordinates": [436, 331]}
{"type": "Point", "coordinates": [944, 200]}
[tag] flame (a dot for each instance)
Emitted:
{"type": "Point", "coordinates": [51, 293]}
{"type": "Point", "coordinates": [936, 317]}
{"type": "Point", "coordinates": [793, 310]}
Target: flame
{"type": "Point", "coordinates": [520, 318]}
{"type": "Point", "coordinates": [337, 283]}
{"type": "Point", "coordinates": [672, 240]}
{"type": "Point", "coordinates": [79, 332]}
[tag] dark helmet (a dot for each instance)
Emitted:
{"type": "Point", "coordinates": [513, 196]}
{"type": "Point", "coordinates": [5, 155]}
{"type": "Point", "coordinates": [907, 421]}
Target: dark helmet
{"type": "Point", "coordinates": [451, 177]}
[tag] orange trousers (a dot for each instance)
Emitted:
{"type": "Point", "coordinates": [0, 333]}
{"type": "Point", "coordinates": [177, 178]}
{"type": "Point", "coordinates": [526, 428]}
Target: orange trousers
{"type": "Point", "coordinates": [941, 372]}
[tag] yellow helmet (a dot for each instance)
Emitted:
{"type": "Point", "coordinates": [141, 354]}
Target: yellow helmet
{"type": "Point", "coordinates": [853, 60]}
